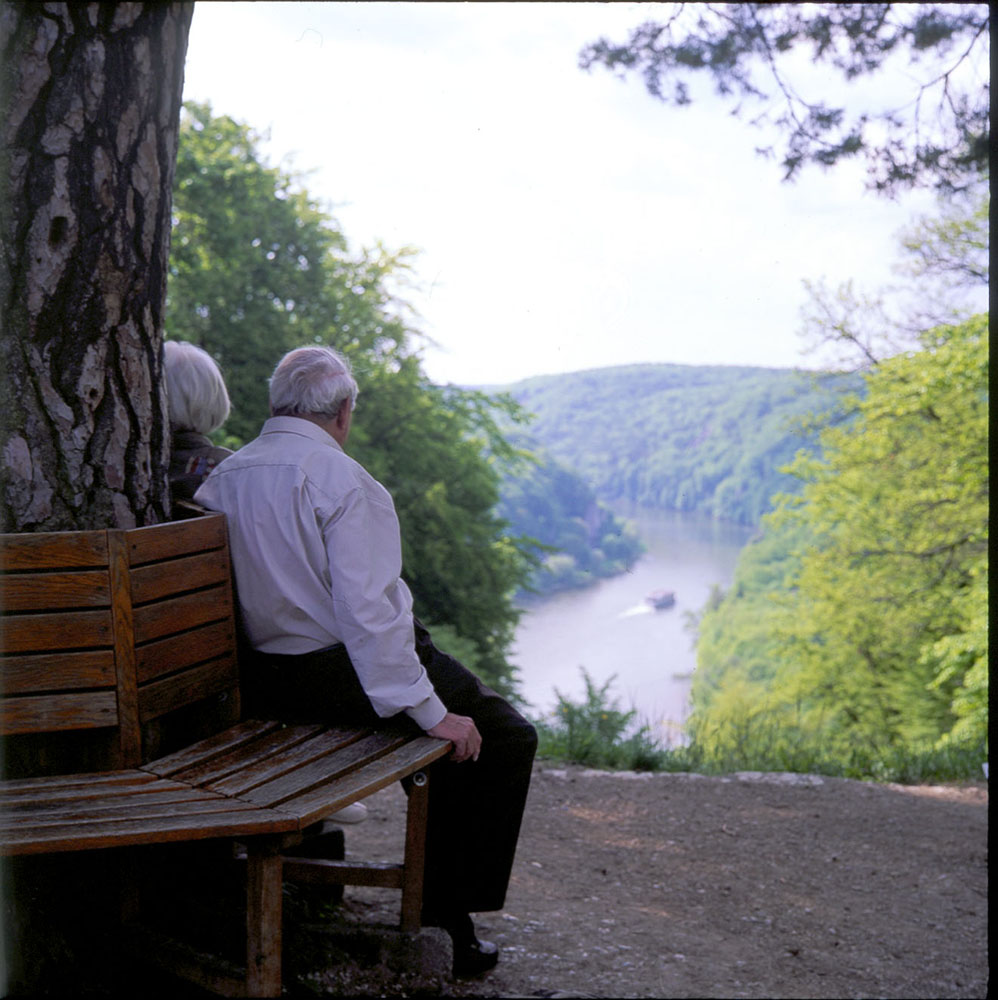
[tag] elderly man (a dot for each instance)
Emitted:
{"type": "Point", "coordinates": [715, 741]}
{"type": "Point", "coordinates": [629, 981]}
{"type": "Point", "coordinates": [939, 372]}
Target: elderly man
{"type": "Point", "coordinates": [317, 559]}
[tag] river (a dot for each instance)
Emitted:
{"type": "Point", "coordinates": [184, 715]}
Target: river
{"type": "Point", "coordinates": [609, 628]}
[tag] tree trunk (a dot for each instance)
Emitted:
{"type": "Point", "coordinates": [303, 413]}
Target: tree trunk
{"type": "Point", "coordinates": [90, 97]}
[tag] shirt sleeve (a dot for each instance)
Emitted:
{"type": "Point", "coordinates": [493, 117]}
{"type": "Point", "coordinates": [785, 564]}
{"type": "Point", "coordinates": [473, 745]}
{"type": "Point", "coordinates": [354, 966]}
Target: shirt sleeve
{"type": "Point", "coordinates": [372, 605]}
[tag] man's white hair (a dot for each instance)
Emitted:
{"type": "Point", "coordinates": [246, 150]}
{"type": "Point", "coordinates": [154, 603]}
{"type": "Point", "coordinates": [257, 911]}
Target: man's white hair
{"type": "Point", "coordinates": [312, 381]}
{"type": "Point", "coordinates": [195, 389]}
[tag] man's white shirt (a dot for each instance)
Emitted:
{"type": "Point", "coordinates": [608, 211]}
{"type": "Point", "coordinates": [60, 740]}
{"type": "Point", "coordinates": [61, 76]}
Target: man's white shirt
{"type": "Point", "coordinates": [317, 555]}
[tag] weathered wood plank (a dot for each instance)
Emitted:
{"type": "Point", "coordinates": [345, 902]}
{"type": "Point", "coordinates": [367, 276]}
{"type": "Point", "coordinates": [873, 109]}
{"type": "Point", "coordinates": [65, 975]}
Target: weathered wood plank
{"type": "Point", "coordinates": [158, 580]}
{"type": "Point", "coordinates": [315, 773]}
{"type": "Point", "coordinates": [51, 672]}
{"type": "Point", "coordinates": [213, 746]}
{"type": "Point", "coordinates": [51, 713]}
{"type": "Point", "coordinates": [167, 541]}
{"type": "Point", "coordinates": [328, 798]}
{"type": "Point", "coordinates": [234, 822]}
{"type": "Point", "coordinates": [52, 550]}
{"type": "Point", "coordinates": [187, 687]}
{"type": "Point", "coordinates": [118, 789]}
{"type": "Point", "coordinates": [224, 774]}
{"type": "Point", "coordinates": [16, 786]}
{"type": "Point", "coordinates": [37, 633]}
{"type": "Point", "coordinates": [188, 801]}
{"type": "Point", "coordinates": [48, 591]}
{"type": "Point", "coordinates": [181, 614]}
{"type": "Point", "coordinates": [246, 772]}
{"type": "Point", "coordinates": [165, 656]}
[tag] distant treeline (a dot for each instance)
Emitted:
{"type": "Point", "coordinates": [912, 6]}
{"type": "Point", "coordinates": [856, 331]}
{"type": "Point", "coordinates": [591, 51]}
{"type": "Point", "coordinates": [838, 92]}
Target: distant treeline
{"type": "Point", "coordinates": [678, 437]}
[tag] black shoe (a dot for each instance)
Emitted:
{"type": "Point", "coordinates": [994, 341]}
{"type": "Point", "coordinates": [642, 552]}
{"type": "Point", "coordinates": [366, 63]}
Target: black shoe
{"type": "Point", "coordinates": [474, 958]}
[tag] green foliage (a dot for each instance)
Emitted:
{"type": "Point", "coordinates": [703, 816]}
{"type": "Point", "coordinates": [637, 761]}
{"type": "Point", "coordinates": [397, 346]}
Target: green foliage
{"type": "Point", "coordinates": [856, 628]}
{"type": "Point", "coordinates": [576, 539]}
{"type": "Point", "coordinates": [937, 133]}
{"type": "Point", "coordinates": [675, 437]}
{"type": "Point", "coordinates": [595, 732]}
{"type": "Point", "coordinates": [256, 269]}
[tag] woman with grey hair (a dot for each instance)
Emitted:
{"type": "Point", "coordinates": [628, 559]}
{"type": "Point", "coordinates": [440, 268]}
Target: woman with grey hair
{"type": "Point", "coordinates": [198, 404]}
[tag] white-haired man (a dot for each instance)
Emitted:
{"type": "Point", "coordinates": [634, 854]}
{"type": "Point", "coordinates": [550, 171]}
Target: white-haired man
{"type": "Point", "coordinates": [317, 557]}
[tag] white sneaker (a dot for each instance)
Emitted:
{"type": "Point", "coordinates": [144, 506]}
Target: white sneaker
{"type": "Point", "coordinates": [356, 812]}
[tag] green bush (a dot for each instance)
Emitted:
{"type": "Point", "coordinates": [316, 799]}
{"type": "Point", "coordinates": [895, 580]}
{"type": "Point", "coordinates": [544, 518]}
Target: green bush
{"type": "Point", "coordinates": [595, 732]}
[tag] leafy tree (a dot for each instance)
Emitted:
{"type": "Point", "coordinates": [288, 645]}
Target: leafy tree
{"type": "Point", "coordinates": [250, 262]}
{"type": "Point", "coordinates": [863, 620]}
{"type": "Point", "coordinates": [258, 268]}
{"type": "Point", "coordinates": [937, 134]}
{"type": "Point", "coordinates": [89, 103]}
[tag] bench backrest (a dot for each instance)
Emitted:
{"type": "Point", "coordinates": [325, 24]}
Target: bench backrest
{"type": "Point", "coordinates": [114, 645]}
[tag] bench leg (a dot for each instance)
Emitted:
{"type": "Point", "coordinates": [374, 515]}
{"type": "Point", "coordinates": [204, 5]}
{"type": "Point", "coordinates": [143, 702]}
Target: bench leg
{"type": "Point", "coordinates": [263, 918]}
{"type": "Point", "coordinates": [415, 852]}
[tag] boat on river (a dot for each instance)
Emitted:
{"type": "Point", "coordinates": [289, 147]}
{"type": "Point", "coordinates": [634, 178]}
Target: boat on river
{"type": "Point", "coordinates": [660, 599]}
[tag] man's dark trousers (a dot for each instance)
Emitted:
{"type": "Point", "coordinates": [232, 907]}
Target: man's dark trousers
{"type": "Point", "coordinates": [475, 807]}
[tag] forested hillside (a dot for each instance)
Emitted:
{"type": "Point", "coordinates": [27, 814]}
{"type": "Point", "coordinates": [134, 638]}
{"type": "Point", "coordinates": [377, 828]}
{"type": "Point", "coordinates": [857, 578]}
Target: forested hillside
{"type": "Point", "coordinates": [857, 624]}
{"type": "Point", "coordinates": [575, 538]}
{"type": "Point", "coordinates": [677, 437]}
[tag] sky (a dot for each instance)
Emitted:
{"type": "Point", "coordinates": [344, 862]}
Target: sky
{"type": "Point", "coordinates": [564, 219]}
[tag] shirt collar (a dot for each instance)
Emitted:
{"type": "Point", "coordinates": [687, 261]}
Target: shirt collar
{"type": "Point", "coordinates": [297, 425]}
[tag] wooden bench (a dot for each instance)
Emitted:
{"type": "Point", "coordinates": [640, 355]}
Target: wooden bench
{"type": "Point", "coordinates": [116, 646]}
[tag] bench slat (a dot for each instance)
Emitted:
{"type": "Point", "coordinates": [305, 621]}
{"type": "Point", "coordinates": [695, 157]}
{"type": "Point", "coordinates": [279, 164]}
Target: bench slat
{"type": "Point", "coordinates": [44, 591]}
{"type": "Point", "coordinates": [372, 777]}
{"type": "Point", "coordinates": [236, 821]}
{"type": "Point", "coordinates": [51, 632]}
{"type": "Point", "coordinates": [170, 814]}
{"type": "Point", "coordinates": [315, 773]}
{"type": "Point", "coordinates": [178, 538]}
{"type": "Point", "coordinates": [257, 766]}
{"type": "Point", "coordinates": [16, 786]}
{"type": "Point", "coordinates": [52, 550]}
{"type": "Point", "coordinates": [56, 671]}
{"type": "Point", "coordinates": [73, 811]}
{"type": "Point", "coordinates": [165, 656]}
{"type": "Point", "coordinates": [168, 693]}
{"type": "Point", "coordinates": [224, 773]}
{"type": "Point", "coordinates": [181, 614]}
{"type": "Point", "coordinates": [58, 712]}
{"type": "Point", "coordinates": [158, 580]}
{"type": "Point", "coordinates": [174, 540]}
{"type": "Point", "coordinates": [208, 749]}
{"type": "Point", "coordinates": [144, 784]}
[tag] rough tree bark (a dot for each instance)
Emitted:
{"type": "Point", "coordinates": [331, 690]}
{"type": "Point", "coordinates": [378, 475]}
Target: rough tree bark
{"type": "Point", "coordinates": [90, 98]}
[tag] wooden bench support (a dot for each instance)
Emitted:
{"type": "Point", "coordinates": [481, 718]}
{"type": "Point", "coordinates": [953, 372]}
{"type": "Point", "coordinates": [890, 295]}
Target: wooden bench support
{"type": "Point", "coordinates": [263, 918]}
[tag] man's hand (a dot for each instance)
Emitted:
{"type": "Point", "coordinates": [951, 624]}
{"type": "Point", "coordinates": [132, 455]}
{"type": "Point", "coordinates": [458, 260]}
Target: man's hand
{"type": "Point", "coordinates": [462, 732]}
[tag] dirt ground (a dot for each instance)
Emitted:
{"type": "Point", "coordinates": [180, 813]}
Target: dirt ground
{"type": "Point", "coordinates": [751, 885]}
